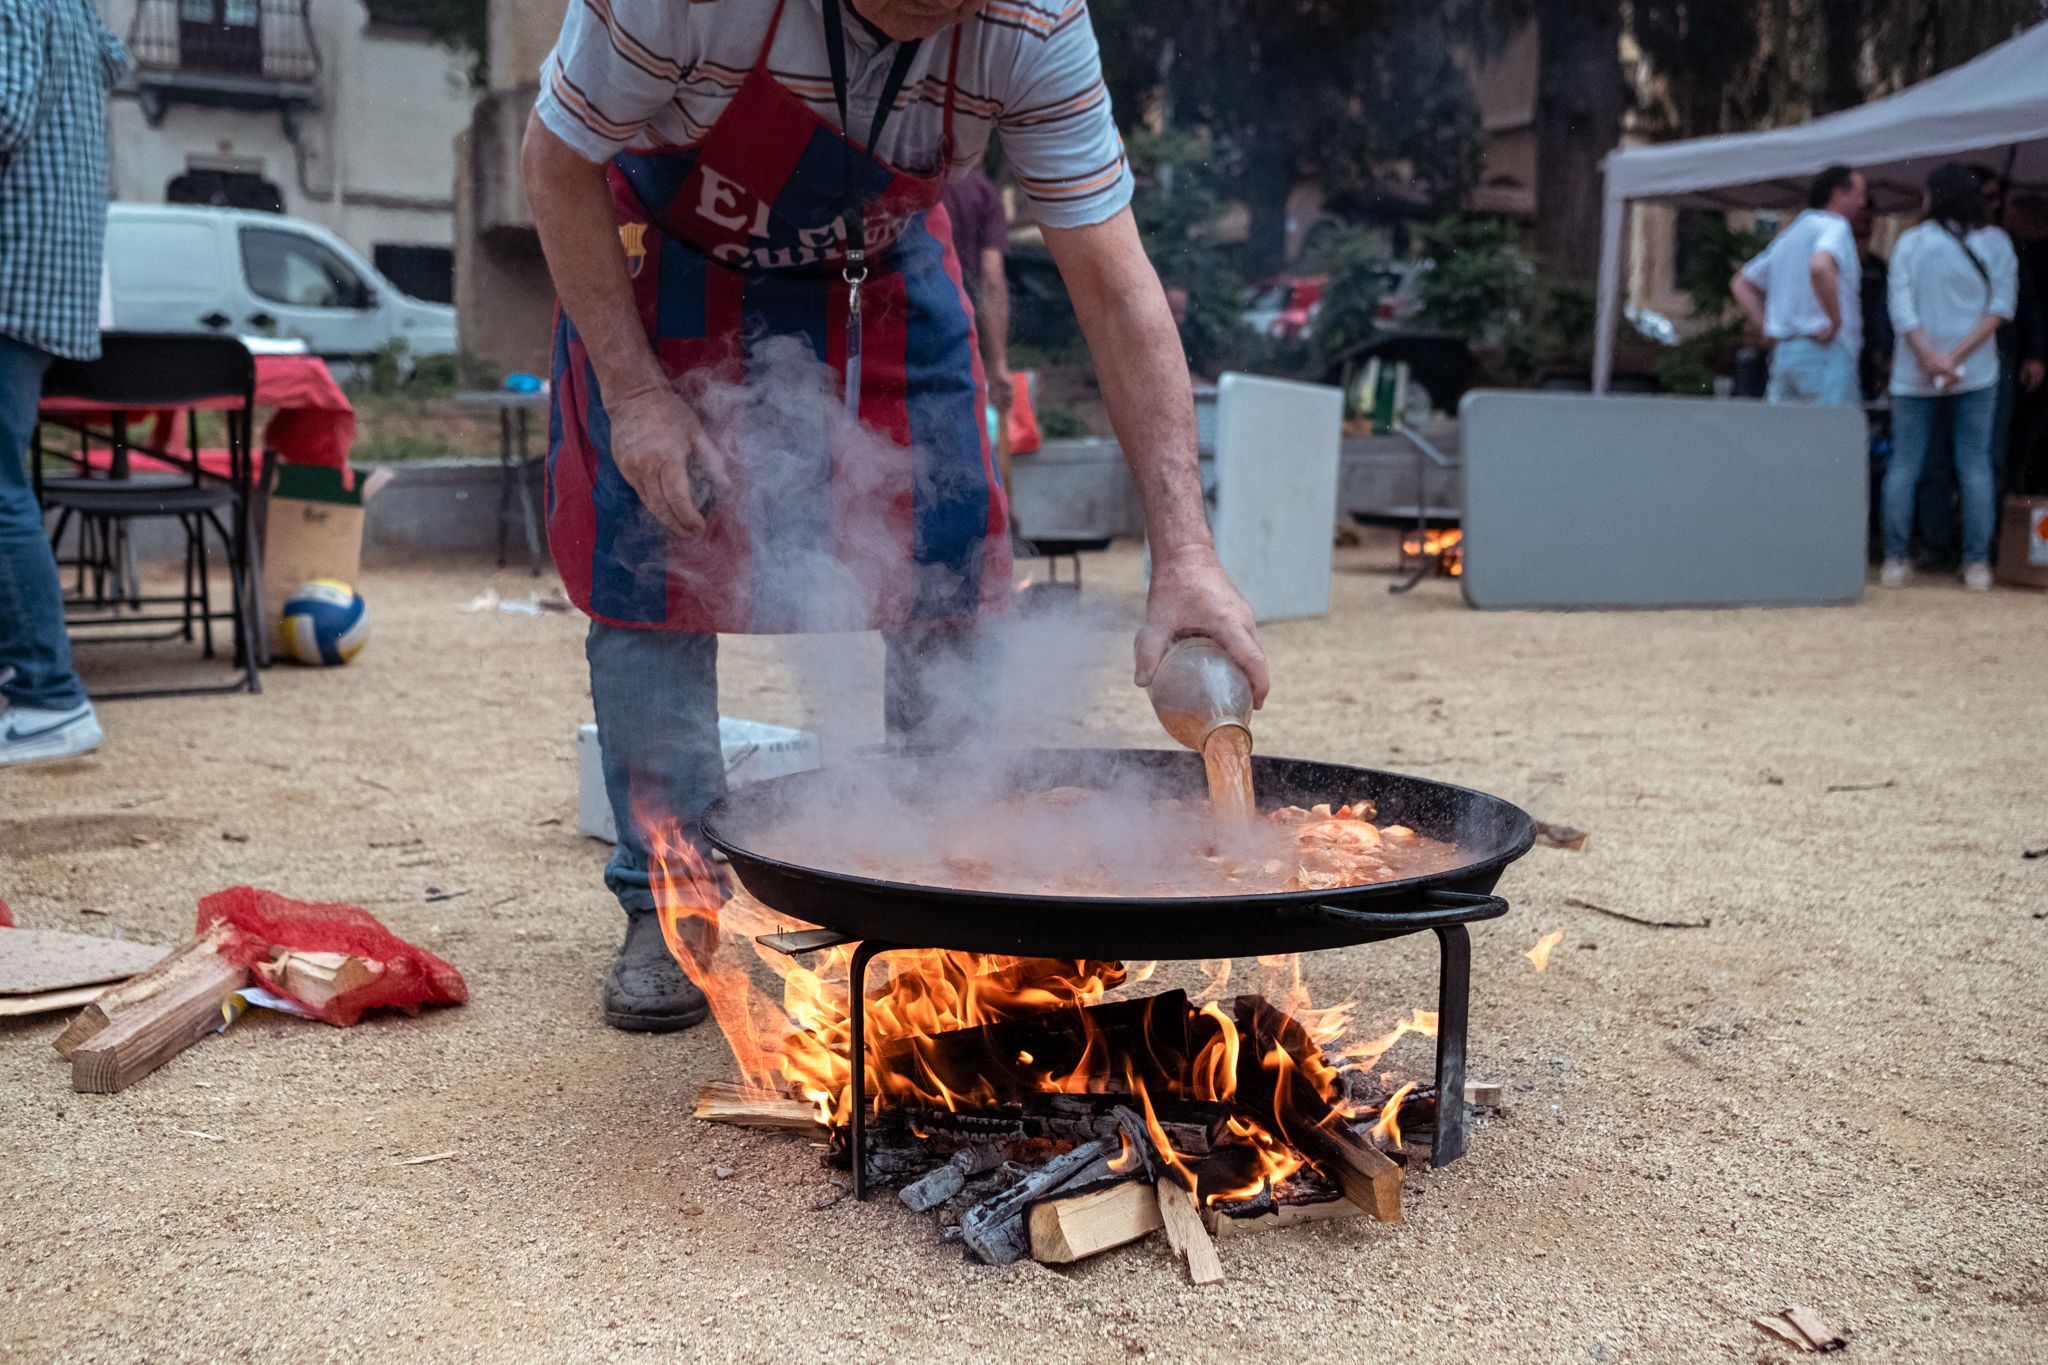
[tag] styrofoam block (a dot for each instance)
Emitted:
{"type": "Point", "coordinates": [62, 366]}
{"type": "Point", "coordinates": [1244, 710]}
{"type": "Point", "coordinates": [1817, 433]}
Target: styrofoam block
{"type": "Point", "coordinates": [754, 751]}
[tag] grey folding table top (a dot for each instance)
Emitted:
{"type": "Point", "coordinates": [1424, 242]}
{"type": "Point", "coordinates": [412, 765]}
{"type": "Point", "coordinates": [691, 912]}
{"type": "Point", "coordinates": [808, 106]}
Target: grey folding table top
{"type": "Point", "coordinates": [1578, 501]}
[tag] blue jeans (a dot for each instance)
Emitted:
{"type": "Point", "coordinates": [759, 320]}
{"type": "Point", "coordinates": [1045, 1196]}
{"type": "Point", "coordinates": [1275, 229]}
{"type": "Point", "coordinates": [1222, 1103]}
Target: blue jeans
{"type": "Point", "coordinates": [32, 638]}
{"type": "Point", "coordinates": [1804, 371]}
{"type": "Point", "coordinates": [1970, 416]}
{"type": "Point", "coordinates": [656, 697]}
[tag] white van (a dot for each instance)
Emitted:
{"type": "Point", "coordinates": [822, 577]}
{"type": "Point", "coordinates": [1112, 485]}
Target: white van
{"type": "Point", "coordinates": [179, 268]}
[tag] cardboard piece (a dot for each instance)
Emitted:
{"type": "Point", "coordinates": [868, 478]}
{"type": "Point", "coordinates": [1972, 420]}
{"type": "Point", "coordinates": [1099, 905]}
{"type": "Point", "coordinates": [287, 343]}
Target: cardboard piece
{"type": "Point", "coordinates": [314, 529]}
{"type": "Point", "coordinates": [753, 750]}
{"type": "Point", "coordinates": [2023, 542]}
{"type": "Point", "coordinates": [36, 960]}
{"type": "Point", "coordinates": [1277, 445]}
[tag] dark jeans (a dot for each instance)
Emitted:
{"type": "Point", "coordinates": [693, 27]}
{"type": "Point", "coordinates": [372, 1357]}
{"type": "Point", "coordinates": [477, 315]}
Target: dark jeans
{"type": "Point", "coordinates": [32, 638]}
{"type": "Point", "coordinates": [656, 697]}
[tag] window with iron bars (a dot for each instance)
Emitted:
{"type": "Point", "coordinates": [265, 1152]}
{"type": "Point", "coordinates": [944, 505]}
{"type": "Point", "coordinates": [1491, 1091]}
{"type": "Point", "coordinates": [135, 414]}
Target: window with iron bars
{"type": "Point", "coordinates": [264, 39]}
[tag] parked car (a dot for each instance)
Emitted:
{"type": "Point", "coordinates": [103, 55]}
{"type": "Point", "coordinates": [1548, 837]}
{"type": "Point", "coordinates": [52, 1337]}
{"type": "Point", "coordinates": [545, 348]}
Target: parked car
{"type": "Point", "coordinates": [1285, 306]}
{"type": "Point", "coordinates": [178, 268]}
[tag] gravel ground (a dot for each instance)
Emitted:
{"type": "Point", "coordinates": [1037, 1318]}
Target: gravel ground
{"type": "Point", "coordinates": [1830, 1097]}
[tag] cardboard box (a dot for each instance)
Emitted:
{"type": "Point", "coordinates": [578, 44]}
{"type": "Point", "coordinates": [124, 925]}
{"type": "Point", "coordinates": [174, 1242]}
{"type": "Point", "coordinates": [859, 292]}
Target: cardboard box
{"type": "Point", "coordinates": [753, 751]}
{"type": "Point", "coordinates": [314, 529]}
{"type": "Point", "coordinates": [2023, 542]}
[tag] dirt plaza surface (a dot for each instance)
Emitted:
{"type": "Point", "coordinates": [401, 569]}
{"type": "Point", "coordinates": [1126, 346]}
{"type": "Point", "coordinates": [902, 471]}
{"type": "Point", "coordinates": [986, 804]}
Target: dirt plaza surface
{"type": "Point", "coordinates": [1830, 1096]}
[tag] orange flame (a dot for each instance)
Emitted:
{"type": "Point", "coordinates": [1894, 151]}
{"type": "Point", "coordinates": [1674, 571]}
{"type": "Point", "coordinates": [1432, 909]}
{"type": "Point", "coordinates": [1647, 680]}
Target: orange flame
{"type": "Point", "coordinates": [801, 1044]}
{"type": "Point", "coordinates": [1389, 1125]}
{"type": "Point", "coordinates": [1540, 954]}
{"type": "Point", "coordinates": [1445, 546]}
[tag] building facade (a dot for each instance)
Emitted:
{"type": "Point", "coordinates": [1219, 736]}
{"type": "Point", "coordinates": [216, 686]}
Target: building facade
{"type": "Point", "coordinates": [343, 112]}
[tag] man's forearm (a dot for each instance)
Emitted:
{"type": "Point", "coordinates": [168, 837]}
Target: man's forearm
{"type": "Point", "coordinates": [1749, 298]}
{"type": "Point", "coordinates": [572, 212]}
{"type": "Point", "coordinates": [1142, 371]}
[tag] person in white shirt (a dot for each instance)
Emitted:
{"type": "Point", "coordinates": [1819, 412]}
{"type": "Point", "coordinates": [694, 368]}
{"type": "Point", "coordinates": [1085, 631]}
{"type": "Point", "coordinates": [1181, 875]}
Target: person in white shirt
{"type": "Point", "coordinates": [1803, 293]}
{"type": "Point", "coordinates": [1954, 282]}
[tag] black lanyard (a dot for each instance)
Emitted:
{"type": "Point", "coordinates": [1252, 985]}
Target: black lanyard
{"type": "Point", "coordinates": [854, 202]}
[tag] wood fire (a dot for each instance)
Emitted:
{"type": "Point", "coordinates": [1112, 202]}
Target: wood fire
{"type": "Point", "coordinates": [1443, 545]}
{"type": "Point", "coordinates": [1034, 1115]}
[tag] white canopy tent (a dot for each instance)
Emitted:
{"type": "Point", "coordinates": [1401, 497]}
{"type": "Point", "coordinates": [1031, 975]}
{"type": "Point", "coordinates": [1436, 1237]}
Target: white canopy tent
{"type": "Point", "coordinates": [1993, 110]}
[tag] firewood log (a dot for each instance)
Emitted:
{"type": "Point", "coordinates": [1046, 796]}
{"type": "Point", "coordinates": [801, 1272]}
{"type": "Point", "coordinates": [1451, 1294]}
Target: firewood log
{"type": "Point", "coordinates": [148, 1033]}
{"type": "Point", "coordinates": [194, 957]}
{"type": "Point", "coordinates": [1075, 1227]}
{"type": "Point", "coordinates": [1182, 1219]}
{"type": "Point", "coordinates": [747, 1107]}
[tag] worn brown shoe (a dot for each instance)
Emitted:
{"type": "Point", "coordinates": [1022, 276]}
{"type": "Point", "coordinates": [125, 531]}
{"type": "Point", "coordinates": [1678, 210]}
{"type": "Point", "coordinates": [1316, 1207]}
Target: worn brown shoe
{"type": "Point", "coordinates": [645, 991]}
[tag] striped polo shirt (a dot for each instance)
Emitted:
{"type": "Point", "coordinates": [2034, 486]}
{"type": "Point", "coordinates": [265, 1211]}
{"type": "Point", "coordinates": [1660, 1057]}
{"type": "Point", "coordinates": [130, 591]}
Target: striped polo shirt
{"type": "Point", "coordinates": [641, 73]}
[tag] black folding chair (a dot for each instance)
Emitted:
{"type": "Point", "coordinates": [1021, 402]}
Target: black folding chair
{"type": "Point", "coordinates": [141, 373]}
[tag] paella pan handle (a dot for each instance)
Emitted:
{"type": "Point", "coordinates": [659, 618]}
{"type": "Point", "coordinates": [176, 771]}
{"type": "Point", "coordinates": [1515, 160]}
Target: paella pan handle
{"type": "Point", "coordinates": [1438, 907]}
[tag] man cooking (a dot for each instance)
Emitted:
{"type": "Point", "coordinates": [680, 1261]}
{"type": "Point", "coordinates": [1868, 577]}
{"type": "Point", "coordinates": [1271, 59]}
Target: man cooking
{"type": "Point", "coordinates": [715, 183]}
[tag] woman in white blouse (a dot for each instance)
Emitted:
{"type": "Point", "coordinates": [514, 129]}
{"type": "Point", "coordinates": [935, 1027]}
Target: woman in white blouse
{"type": "Point", "coordinates": [1954, 280]}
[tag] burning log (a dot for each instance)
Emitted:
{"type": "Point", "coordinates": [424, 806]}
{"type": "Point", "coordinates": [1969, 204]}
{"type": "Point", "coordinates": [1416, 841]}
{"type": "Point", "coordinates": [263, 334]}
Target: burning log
{"type": "Point", "coordinates": [1192, 1127]}
{"type": "Point", "coordinates": [1296, 1109]}
{"type": "Point", "coordinates": [749, 1107]}
{"type": "Point", "coordinates": [1078, 1226]}
{"type": "Point", "coordinates": [1182, 1219]}
{"type": "Point", "coordinates": [1014, 1057]}
{"type": "Point", "coordinates": [994, 1230]}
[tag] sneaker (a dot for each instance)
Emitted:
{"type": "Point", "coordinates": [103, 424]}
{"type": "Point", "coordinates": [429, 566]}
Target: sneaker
{"type": "Point", "coordinates": [646, 991]}
{"type": "Point", "coordinates": [1896, 573]}
{"type": "Point", "coordinates": [1977, 577]}
{"type": "Point", "coordinates": [28, 733]}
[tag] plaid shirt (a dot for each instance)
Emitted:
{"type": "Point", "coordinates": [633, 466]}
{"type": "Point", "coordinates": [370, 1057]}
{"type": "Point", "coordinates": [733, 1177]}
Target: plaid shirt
{"type": "Point", "coordinates": [56, 63]}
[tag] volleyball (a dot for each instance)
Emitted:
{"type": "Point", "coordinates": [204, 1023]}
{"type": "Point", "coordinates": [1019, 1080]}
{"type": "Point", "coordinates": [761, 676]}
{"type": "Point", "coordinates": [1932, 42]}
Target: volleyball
{"type": "Point", "coordinates": [324, 623]}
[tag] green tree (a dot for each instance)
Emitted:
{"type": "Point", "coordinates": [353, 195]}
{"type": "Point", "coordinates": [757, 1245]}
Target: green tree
{"type": "Point", "coordinates": [1343, 90]}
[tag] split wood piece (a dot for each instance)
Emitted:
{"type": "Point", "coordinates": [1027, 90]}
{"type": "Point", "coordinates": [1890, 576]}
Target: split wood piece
{"type": "Point", "coordinates": [1369, 1177]}
{"type": "Point", "coordinates": [317, 979]}
{"type": "Point", "coordinates": [1802, 1328]}
{"type": "Point", "coordinates": [146, 1035]}
{"type": "Point", "coordinates": [1287, 1216]}
{"type": "Point", "coordinates": [748, 1106]}
{"type": "Point", "coordinates": [1561, 836]}
{"type": "Point", "coordinates": [49, 1002]}
{"type": "Point", "coordinates": [1182, 1219]}
{"type": "Point", "coordinates": [994, 1229]}
{"type": "Point", "coordinates": [1079, 1226]}
{"type": "Point", "coordinates": [1481, 1095]}
{"type": "Point", "coordinates": [193, 959]}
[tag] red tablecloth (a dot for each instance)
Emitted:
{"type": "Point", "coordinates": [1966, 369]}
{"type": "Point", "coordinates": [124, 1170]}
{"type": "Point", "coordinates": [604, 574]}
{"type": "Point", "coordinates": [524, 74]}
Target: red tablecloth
{"type": "Point", "coordinates": [313, 424]}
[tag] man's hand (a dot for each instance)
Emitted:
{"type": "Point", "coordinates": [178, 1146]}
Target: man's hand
{"type": "Point", "coordinates": [1826, 334]}
{"type": "Point", "coordinates": [2032, 372]}
{"type": "Point", "coordinates": [999, 389]}
{"type": "Point", "coordinates": [1191, 595]}
{"type": "Point", "coordinates": [662, 450]}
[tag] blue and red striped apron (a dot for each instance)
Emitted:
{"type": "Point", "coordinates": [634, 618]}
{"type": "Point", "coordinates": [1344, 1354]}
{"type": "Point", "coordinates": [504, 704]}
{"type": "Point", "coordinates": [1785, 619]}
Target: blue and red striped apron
{"type": "Point", "coordinates": [733, 243]}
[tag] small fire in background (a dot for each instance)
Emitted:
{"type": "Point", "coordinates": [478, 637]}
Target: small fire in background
{"type": "Point", "coordinates": [1545, 946]}
{"type": "Point", "coordinates": [1445, 546]}
{"type": "Point", "coordinates": [1268, 1059]}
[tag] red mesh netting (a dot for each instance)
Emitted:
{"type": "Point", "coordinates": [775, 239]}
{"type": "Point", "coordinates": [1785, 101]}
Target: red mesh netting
{"type": "Point", "coordinates": [411, 977]}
